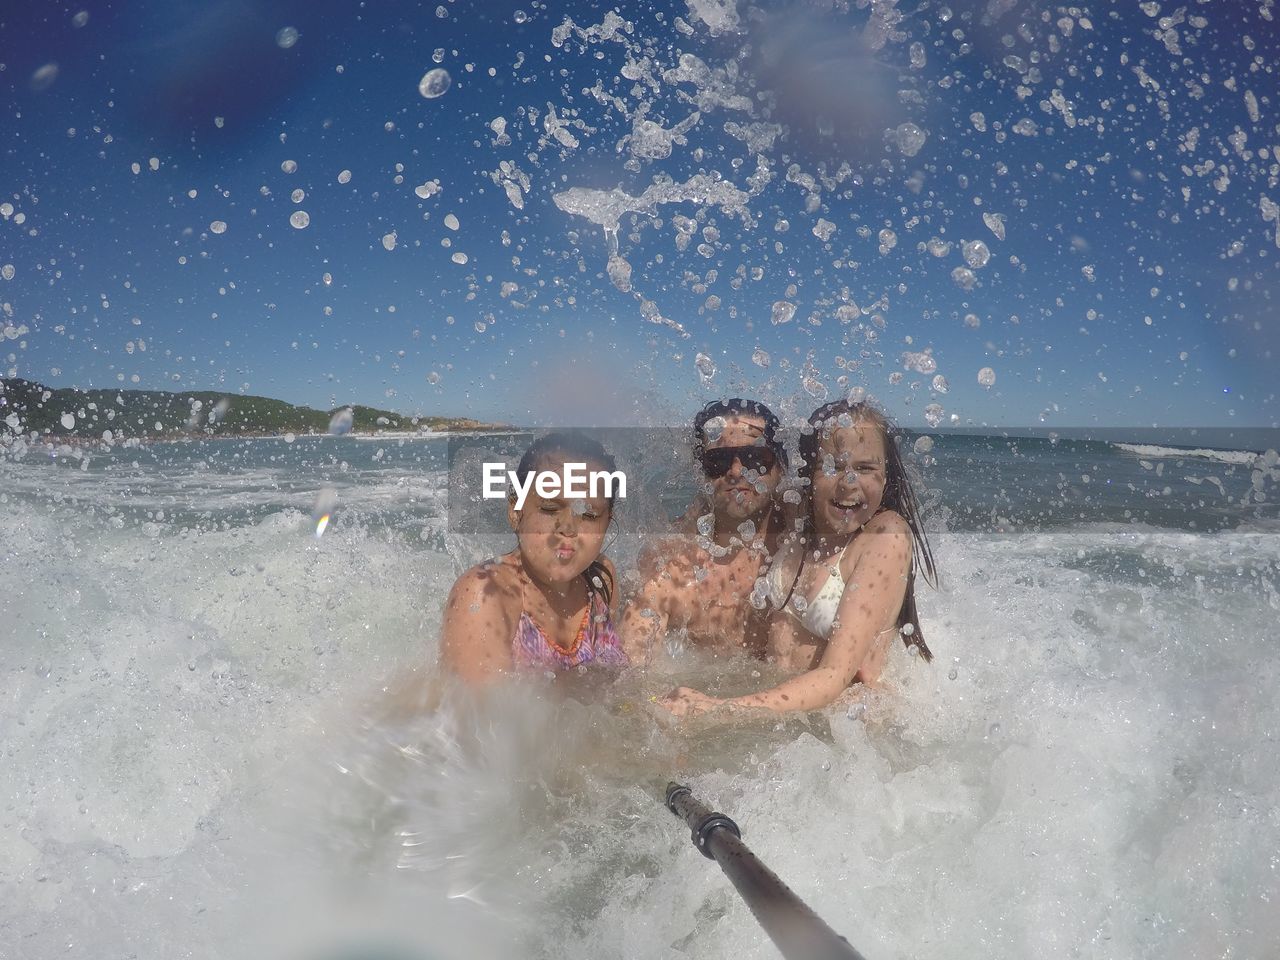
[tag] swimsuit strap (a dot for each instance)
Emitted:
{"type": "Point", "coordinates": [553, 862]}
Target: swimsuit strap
{"type": "Point", "coordinates": [587, 621]}
{"type": "Point", "coordinates": [795, 581]}
{"type": "Point", "coordinates": [596, 641]}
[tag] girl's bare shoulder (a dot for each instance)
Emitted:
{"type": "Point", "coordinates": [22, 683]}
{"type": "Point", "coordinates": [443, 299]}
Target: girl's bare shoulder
{"type": "Point", "coordinates": [885, 533]}
{"type": "Point", "coordinates": [495, 581]}
{"type": "Point", "coordinates": [887, 521]}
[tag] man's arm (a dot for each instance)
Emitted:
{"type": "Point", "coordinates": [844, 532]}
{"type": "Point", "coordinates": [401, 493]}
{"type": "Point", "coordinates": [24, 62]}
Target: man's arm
{"type": "Point", "coordinates": [648, 612]}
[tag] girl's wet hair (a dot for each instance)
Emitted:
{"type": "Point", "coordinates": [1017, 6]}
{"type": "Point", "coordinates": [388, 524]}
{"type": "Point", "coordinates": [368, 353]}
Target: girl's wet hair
{"type": "Point", "coordinates": [898, 495]}
{"type": "Point", "coordinates": [573, 447]}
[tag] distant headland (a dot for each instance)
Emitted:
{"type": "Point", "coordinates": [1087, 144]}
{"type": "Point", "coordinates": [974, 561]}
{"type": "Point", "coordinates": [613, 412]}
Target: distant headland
{"type": "Point", "coordinates": [27, 408]}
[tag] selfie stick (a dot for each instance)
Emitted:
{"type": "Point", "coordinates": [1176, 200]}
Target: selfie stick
{"type": "Point", "coordinates": [798, 932]}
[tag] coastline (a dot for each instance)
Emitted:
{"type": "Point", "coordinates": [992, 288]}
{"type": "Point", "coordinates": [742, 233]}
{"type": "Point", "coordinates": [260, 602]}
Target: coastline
{"type": "Point", "coordinates": [83, 441]}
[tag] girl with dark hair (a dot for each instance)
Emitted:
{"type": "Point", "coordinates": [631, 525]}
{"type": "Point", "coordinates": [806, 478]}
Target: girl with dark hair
{"type": "Point", "coordinates": [549, 604]}
{"type": "Point", "coordinates": [845, 585]}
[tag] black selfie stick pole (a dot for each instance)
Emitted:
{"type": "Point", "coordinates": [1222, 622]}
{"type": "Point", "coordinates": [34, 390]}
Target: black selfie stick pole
{"type": "Point", "coordinates": [798, 932]}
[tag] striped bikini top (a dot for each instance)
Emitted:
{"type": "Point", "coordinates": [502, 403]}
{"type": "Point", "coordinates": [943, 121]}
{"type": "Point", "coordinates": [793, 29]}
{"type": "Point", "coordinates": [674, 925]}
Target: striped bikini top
{"type": "Point", "coordinates": [595, 642]}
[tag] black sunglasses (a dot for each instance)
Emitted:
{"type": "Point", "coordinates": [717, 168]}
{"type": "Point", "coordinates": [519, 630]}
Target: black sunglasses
{"type": "Point", "coordinates": [718, 461]}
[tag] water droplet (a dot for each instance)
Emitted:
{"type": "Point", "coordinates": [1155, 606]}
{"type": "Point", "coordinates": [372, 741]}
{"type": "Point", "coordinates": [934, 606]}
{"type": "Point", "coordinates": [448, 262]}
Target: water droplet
{"type": "Point", "coordinates": [43, 78]}
{"type": "Point", "coordinates": [287, 37]}
{"type": "Point", "coordinates": [706, 367]}
{"type": "Point", "coordinates": [783, 311]}
{"type": "Point", "coordinates": [459, 258]}
{"type": "Point", "coordinates": [909, 138]}
{"type": "Point", "coordinates": [451, 221]}
{"type": "Point", "coordinates": [68, 421]}
{"type": "Point", "coordinates": [298, 195]}
{"type": "Point", "coordinates": [520, 17]}
{"type": "Point", "coordinates": [760, 358]}
{"type": "Point", "coordinates": [342, 421]}
{"type": "Point", "coordinates": [619, 271]}
{"type": "Point", "coordinates": [964, 278]}
{"type": "Point", "coordinates": [940, 384]}
{"type": "Point", "coordinates": [922, 362]}
{"type": "Point", "coordinates": [933, 414]}
{"type": "Point", "coordinates": [289, 166]}
{"type": "Point", "coordinates": [922, 445]}
{"type": "Point", "coordinates": [976, 253]}
{"type": "Point", "coordinates": [986, 376]}
{"type": "Point", "coordinates": [435, 83]}
{"type": "Point", "coordinates": [995, 223]}
{"type": "Point", "coordinates": [300, 219]}
{"type": "Point", "coordinates": [80, 19]}
{"type": "Point", "coordinates": [8, 271]}
{"type": "Point", "coordinates": [389, 241]}
{"type": "Point", "coordinates": [218, 226]}
{"type": "Point", "coordinates": [344, 176]}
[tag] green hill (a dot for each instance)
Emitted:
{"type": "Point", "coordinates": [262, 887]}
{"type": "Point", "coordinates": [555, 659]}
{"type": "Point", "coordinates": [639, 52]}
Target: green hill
{"type": "Point", "coordinates": [26, 407]}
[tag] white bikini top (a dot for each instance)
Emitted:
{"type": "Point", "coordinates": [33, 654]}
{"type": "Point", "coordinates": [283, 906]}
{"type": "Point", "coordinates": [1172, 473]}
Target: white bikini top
{"type": "Point", "coordinates": [819, 614]}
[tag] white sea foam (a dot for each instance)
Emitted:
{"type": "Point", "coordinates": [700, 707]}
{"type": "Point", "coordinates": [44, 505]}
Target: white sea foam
{"type": "Point", "coordinates": [192, 726]}
{"type": "Point", "coordinates": [1222, 456]}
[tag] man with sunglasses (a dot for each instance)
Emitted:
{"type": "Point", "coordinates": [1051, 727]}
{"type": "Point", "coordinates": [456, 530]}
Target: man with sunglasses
{"type": "Point", "coordinates": [702, 579]}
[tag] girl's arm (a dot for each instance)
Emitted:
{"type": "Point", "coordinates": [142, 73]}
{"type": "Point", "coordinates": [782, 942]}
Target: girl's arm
{"type": "Point", "coordinates": [475, 639]}
{"type": "Point", "coordinates": [872, 597]}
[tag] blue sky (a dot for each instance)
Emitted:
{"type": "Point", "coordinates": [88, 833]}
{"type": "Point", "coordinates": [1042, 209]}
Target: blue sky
{"type": "Point", "coordinates": [1113, 299]}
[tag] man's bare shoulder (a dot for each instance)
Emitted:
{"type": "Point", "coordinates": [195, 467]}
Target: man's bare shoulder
{"type": "Point", "coordinates": [667, 554]}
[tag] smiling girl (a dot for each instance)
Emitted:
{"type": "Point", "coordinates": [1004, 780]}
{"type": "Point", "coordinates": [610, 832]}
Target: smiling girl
{"type": "Point", "coordinates": [548, 605]}
{"type": "Point", "coordinates": [845, 587]}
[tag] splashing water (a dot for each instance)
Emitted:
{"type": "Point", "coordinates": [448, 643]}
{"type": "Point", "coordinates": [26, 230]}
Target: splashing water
{"type": "Point", "coordinates": [222, 721]}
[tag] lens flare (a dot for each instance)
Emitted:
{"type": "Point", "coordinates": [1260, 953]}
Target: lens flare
{"type": "Point", "coordinates": [322, 511]}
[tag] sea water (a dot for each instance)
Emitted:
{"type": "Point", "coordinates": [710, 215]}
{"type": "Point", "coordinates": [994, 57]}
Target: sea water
{"type": "Point", "coordinates": [221, 734]}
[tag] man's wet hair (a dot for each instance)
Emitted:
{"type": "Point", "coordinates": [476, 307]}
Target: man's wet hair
{"type": "Point", "coordinates": [738, 407]}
